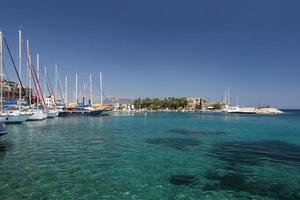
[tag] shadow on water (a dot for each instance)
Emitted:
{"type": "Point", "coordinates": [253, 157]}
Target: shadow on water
{"type": "Point", "coordinates": [240, 154]}
{"type": "Point", "coordinates": [238, 182]}
{"type": "Point", "coordinates": [201, 133]}
{"type": "Point", "coordinates": [177, 143]}
{"type": "Point", "coordinates": [187, 180]}
{"type": "Point", "coordinates": [5, 145]}
{"type": "Point", "coordinates": [253, 152]}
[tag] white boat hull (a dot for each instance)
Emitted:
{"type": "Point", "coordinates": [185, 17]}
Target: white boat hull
{"type": "Point", "coordinates": [14, 118]}
{"type": "Point", "coordinates": [52, 113]}
{"type": "Point", "coordinates": [3, 118]}
{"type": "Point", "coordinates": [37, 115]}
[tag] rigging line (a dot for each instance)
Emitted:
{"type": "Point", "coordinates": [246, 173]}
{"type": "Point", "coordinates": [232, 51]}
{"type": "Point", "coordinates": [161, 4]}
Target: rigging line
{"type": "Point", "coordinates": [47, 84]}
{"type": "Point", "coordinates": [60, 89]}
{"type": "Point", "coordinates": [100, 90]}
{"type": "Point", "coordinates": [13, 62]}
{"type": "Point", "coordinates": [46, 76]}
{"type": "Point", "coordinates": [48, 81]}
{"type": "Point", "coordinates": [35, 80]}
{"type": "Point", "coordinates": [5, 71]}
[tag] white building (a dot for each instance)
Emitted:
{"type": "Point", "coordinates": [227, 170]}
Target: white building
{"type": "Point", "coordinates": [49, 101]}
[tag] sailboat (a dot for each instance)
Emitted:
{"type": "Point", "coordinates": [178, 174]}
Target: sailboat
{"type": "Point", "coordinates": [38, 113]}
{"type": "Point", "coordinates": [81, 109]}
{"type": "Point", "coordinates": [10, 116]}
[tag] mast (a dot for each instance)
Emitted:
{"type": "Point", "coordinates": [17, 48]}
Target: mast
{"type": "Point", "coordinates": [28, 73]}
{"type": "Point", "coordinates": [76, 97]}
{"type": "Point", "coordinates": [84, 90]}
{"type": "Point", "coordinates": [1, 70]}
{"type": "Point", "coordinates": [91, 88]}
{"type": "Point", "coordinates": [66, 90]}
{"type": "Point", "coordinates": [55, 84]}
{"type": "Point", "coordinates": [229, 100]}
{"type": "Point", "coordinates": [45, 81]}
{"type": "Point", "coordinates": [20, 65]}
{"type": "Point", "coordinates": [30, 91]}
{"type": "Point", "coordinates": [225, 97]}
{"type": "Point", "coordinates": [37, 71]}
{"type": "Point", "coordinates": [101, 92]}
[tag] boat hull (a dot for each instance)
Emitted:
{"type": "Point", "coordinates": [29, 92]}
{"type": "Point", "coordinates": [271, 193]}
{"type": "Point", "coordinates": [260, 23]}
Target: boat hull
{"type": "Point", "coordinates": [80, 113]}
{"type": "Point", "coordinates": [37, 115]}
{"type": "Point", "coordinates": [16, 118]}
{"type": "Point", "coordinates": [52, 114]}
{"type": "Point", "coordinates": [3, 118]}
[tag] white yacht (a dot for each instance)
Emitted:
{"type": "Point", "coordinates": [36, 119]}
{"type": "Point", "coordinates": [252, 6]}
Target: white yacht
{"type": "Point", "coordinates": [37, 115]}
{"type": "Point", "coordinates": [16, 116]}
{"type": "Point", "coordinates": [52, 113]}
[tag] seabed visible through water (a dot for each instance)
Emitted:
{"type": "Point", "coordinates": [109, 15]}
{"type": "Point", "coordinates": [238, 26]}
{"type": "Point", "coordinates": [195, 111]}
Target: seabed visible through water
{"type": "Point", "coordinates": [158, 156]}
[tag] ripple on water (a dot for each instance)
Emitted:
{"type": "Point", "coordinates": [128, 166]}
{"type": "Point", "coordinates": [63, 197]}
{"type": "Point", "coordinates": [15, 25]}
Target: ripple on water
{"type": "Point", "coordinates": [177, 143]}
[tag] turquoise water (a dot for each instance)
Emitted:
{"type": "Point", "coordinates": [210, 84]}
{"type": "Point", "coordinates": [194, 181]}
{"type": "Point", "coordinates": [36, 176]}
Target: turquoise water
{"type": "Point", "coordinates": [158, 156]}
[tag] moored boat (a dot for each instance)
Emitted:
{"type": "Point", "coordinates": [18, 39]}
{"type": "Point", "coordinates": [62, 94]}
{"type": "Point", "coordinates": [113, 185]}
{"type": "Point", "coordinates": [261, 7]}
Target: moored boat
{"type": "Point", "coordinates": [37, 115]}
{"type": "Point", "coordinates": [16, 117]}
{"type": "Point", "coordinates": [80, 112]}
{"type": "Point", "coordinates": [52, 113]}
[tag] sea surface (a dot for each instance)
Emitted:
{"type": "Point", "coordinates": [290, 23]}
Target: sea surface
{"type": "Point", "coordinates": [157, 156]}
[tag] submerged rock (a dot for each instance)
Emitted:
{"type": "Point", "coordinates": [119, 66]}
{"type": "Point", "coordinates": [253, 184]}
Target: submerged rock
{"type": "Point", "coordinates": [183, 180]}
{"type": "Point", "coordinates": [177, 143]}
{"type": "Point", "coordinates": [253, 152]}
{"type": "Point", "coordinates": [238, 182]}
{"type": "Point", "coordinates": [191, 132]}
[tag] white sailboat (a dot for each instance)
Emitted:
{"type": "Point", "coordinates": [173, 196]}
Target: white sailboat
{"type": "Point", "coordinates": [10, 116]}
{"type": "Point", "coordinates": [38, 114]}
{"type": "Point", "coordinates": [16, 116]}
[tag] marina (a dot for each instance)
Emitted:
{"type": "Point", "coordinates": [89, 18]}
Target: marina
{"type": "Point", "coordinates": [31, 103]}
{"type": "Point", "coordinates": [149, 100]}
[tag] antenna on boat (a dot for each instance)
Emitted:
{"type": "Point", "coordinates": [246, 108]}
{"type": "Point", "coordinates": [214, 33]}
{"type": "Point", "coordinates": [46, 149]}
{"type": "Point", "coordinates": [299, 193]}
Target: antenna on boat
{"type": "Point", "coordinates": [1, 70]}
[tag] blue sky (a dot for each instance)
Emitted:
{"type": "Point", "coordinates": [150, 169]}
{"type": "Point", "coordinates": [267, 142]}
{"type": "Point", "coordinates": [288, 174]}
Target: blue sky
{"type": "Point", "coordinates": [168, 48]}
